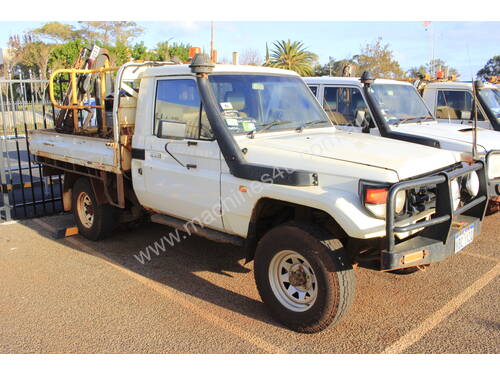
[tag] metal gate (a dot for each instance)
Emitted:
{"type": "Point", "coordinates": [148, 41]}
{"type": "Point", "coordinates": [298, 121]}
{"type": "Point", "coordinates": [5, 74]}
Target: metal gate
{"type": "Point", "coordinates": [24, 193]}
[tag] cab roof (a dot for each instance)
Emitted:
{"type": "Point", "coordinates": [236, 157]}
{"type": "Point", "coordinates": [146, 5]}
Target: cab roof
{"type": "Point", "coordinates": [455, 85]}
{"type": "Point", "coordinates": [184, 69]}
{"type": "Point", "coordinates": [355, 81]}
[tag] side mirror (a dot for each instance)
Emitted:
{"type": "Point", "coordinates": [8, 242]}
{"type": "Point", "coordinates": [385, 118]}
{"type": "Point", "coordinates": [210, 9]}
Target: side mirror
{"type": "Point", "coordinates": [360, 118]}
{"type": "Point", "coordinates": [171, 129]}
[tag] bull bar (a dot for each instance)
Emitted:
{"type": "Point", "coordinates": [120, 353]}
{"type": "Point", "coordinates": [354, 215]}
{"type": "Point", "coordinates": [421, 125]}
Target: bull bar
{"type": "Point", "coordinates": [437, 239]}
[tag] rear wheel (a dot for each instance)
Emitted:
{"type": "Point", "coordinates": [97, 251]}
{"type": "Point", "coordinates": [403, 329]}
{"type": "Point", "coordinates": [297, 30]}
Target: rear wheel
{"type": "Point", "coordinates": [304, 277]}
{"type": "Point", "coordinates": [94, 221]}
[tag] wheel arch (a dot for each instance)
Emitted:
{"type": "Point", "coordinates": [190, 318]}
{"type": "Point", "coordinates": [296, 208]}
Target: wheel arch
{"type": "Point", "coordinates": [270, 212]}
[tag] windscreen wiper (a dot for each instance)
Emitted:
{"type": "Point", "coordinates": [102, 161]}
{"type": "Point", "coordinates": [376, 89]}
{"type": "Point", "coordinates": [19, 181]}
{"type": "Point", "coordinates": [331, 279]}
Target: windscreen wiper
{"type": "Point", "coordinates": [403, 120]}
{"type": "Point", "coordinates": [308, 123]}
{"type": "Point", "coordinates": [269, 125]}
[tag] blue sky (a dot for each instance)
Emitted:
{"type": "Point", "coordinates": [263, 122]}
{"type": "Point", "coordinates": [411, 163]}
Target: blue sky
{"type": "Point", "coordinates": [464, 45]}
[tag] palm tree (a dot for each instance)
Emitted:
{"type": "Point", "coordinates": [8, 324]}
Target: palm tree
{"type": "Point", "coordinates": [293, 56]}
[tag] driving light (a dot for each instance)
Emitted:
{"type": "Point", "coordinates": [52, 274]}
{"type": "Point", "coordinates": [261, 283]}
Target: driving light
{"type": "Point", "coordinates": [471, 184]}
{"type": "Point", "coordinates": [455, 193]}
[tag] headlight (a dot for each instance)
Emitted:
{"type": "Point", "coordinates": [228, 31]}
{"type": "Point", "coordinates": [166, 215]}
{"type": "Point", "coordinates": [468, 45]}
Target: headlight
{"type": "Point", "coordinates": [455, 193]}
{"type": "Point", "coordinates": [375, 200]}
{"type": "Point", "coordinates": [400, 201]}
{"type": "Point", "coordinates": [470, 184]}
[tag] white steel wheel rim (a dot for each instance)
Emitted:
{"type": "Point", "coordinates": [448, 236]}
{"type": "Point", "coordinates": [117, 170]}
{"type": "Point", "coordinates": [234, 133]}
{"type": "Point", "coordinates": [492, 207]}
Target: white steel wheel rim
{"type": "Point", "coordinates": [85, 209]}
{"type": "Point", "coordinates": [293, 281]}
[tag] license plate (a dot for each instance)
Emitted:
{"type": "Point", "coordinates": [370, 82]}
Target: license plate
{"type": "Point", "coordinates": [464, 238]}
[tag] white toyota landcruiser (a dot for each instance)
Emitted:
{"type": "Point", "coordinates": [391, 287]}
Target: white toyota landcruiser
{"type": "Point", "coordinates": [394, 109]}
{"type": "Point", "coordinates": [246, 155]}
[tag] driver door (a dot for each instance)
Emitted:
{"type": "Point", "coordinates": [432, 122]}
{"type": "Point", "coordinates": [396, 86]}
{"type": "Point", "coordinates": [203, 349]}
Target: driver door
{"type": "Point", "coordinates": [182, 160]}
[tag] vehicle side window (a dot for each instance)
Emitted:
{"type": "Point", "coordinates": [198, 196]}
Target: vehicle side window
{"type": "Point", "coordinates": [314, 90]}
{"type": "Point", "coordinates": [346, 106]}
{"type": "Point", "coordinates": [455, 105]}
{"type": "Point", "coordinates": [178, 100]}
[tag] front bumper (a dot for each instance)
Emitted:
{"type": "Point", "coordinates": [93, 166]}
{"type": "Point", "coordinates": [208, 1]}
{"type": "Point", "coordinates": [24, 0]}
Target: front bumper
{"type": "Point", "coordinates": [436, 239]}
{"type": "Point", "coordinates": [423, 250]}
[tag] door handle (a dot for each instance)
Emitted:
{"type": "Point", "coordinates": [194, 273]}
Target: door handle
{"type": "Point", "coordinates": [191, 166]}
{"type": "Point", "coordinates": [155, 155]}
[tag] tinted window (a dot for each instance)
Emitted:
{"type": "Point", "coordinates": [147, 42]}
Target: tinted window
{"type": "Point", "coordinates": [179, 100]}
{"type": "Point", "coordinates": [455, 105]}
{"type": "Point", "coordinates": [266, 102]}
{"type": "Point", "coordinates": [345, 106]}
{"type": "Point", "coordinates": [314, 90]}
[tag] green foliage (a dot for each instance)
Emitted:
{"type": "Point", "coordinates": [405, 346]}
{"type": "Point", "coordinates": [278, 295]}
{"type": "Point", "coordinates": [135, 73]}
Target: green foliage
{"type": "Point", "coordinates": [491, 68]}
{"type": "Point", "coordinates": [336, 68]}
{"type": "Point", "coordinates": [293, 56]}
{"type": "Point", "coordinates": [64, 55]}
{"type": "Point", "coordinates": [431, 68]}
{"type": "Point", "coordinates": [139, 51]}
{"type": "Point", "coordinates": [379, 60]}
{"type": "Point", "coordinates": [180, 50]}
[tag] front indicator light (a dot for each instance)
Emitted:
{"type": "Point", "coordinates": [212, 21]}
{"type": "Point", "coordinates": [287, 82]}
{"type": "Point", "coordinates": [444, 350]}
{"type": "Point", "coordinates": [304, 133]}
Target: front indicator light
{"type": "Point", "coordinates": [376, 201]}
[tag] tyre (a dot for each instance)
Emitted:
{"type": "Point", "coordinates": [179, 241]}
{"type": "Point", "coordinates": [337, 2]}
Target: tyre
{"type": "Point", "coordinates": [304, 277]}
{"type": "Point", "coordinates": [493, 206]}
{"type": "Point", "coordinates": [405, 271]}
{"type": "Point", "coordinates": [94, 221]}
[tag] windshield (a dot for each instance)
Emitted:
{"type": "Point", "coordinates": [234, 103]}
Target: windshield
{"type": "Point", "coordinates": [399, 103]}
{"type": "Point", "coordinates": [492, 99]}
{"type": "Point", "coordinates": [260, 102]}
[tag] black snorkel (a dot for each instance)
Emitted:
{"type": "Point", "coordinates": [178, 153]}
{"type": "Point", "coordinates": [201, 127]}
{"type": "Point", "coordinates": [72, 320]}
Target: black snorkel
{"type": "Point", "coordinates": [385, 131]}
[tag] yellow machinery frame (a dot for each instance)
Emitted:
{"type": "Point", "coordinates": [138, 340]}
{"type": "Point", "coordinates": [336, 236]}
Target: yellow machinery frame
{"type": "Point", "coordinates": [77, 105]}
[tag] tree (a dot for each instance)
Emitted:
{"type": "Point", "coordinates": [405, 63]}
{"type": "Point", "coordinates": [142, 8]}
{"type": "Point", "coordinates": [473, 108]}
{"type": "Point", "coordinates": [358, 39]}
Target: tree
{"type": "Point", "coordinates": [492, 68]}
{"type": "Point", "coordinates": [64, 55]}
{"type": "Point", "coordinates": [293, 56]}
{"type": "Point", "coordinates": [416, 71]}
{"type": "Point", "coordinates": [250, 57]}
{"type": "Point", "coordinates": [109, 32]}
{"type": "Point", "coordinates": [379, 60]}
{"type": "Point", "coordinates": [56, 32]}
{"type": "Point", "coordinates": [335, 68]}
{"type": "Point", "coordinates": [30, 53]}
{"type": "Point", "coordinates": [431, 68]}
{"type": "Point", "coordinates": [436, 65]}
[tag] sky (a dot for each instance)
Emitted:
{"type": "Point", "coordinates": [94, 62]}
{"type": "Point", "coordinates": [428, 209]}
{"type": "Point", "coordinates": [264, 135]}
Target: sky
{"type": "Point", "coordinates": [466, 46]}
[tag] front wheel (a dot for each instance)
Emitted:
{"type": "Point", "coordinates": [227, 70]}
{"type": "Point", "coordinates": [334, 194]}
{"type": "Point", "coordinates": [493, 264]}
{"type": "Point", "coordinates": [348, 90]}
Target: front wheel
{"type": "Point", "coordinates": [304, 277]}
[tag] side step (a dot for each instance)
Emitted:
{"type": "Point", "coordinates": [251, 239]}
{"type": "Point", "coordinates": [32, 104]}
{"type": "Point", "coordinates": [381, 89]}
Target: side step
{"type": "Point", "coordinates": [191, 228]}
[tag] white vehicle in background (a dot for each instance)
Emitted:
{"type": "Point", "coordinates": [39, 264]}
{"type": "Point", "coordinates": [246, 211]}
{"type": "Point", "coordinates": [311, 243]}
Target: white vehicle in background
{"type": "Point", "coordinates": [394, 109]}
{"type": "Point", "coordinates": [452, 102]}
{"type": "Point", "coordinates": [245, 155]}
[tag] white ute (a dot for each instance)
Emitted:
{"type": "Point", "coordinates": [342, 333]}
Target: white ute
{"type": "Point", "coordinates": [452, 102]}
{"type": "Point", "coordinates": [394, 109]}
{"type": "Point", "coordinates": [246, 155]}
